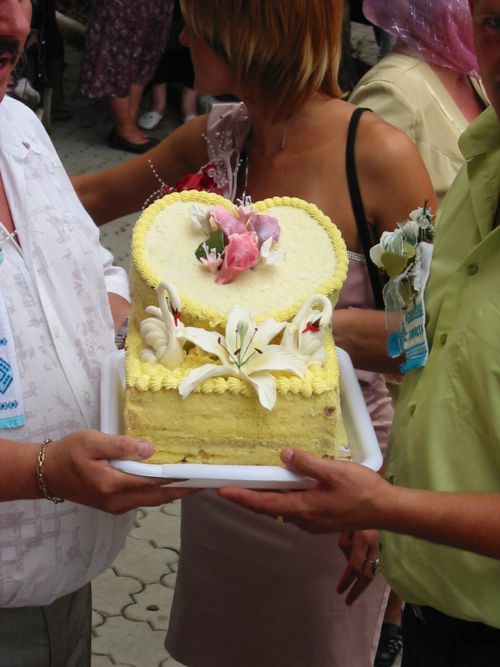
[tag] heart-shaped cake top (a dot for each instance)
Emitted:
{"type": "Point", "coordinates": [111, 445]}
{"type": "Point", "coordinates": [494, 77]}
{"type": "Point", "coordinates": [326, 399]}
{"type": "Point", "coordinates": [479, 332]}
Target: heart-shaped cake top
{"type": "Point", "coordinates": [310, 259]}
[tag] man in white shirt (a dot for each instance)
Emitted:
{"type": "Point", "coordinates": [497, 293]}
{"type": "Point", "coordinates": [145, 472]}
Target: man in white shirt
{"type": "Point", "coordinates": [59, 294]}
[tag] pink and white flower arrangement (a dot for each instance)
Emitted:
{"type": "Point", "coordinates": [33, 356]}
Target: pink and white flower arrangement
{"type": "Point", "coordinates": [235, 241]}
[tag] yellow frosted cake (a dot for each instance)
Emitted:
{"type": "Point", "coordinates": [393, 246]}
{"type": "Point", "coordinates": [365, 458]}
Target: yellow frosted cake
{"type": "Point", "coordinates": [230, 355]}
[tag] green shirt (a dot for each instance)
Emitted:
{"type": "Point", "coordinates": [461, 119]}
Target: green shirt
{"type": "Point", "coordinates": [446, 433]}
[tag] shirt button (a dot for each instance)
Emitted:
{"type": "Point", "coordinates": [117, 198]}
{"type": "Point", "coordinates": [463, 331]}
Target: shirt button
{"type": "Point", "coordinates": [413, 407]}
{"type": "Point", "coordinates": [86, 397]}
{"type": "Point", "coordinates": [472, 269]}
{"type": "Point", "coordinates": [443, 338]}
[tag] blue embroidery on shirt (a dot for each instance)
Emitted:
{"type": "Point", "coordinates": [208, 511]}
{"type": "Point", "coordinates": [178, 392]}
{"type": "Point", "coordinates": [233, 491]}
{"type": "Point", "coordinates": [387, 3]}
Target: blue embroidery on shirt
{"type": "Point", "coordinates": [8, 405]}
{"type": "Point", "coordinates": [5, 376]}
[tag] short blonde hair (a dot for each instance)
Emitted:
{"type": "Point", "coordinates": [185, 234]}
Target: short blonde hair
{"type": "Point", "coordinates": [285, 50]}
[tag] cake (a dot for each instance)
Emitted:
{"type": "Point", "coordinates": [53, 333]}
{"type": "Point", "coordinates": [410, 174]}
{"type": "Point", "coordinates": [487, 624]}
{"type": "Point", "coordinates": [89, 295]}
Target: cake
{"type": "Point", "coordinates": [230, 356]}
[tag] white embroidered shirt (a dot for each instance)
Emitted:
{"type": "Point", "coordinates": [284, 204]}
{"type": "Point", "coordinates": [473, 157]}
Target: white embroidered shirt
{"type": "Point", "coordinates": [55, 288]}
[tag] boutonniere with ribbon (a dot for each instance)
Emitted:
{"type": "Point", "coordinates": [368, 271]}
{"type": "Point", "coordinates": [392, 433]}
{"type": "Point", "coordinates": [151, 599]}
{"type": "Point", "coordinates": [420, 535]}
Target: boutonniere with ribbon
{"type": "Point", "coordinates": [405, 256]}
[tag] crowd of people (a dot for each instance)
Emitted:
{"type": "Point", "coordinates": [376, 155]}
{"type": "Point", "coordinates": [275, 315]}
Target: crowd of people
{"type": "Point", "coordinates": [420, 128]}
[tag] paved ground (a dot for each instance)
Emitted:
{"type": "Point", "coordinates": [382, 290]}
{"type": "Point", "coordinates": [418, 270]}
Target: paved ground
{"type": "Point", "coordinates": [132, 598]}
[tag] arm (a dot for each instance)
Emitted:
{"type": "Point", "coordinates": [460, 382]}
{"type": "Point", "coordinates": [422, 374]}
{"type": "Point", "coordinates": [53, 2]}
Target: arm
{"type": "Point", "coordinates": [363, 334]}
{"type": "Point", "coordinates": [77, 468]}
{"type": "Point", "coordinates": [393, 182]}
{"type": "Point", "coordinates": [120, 309]}
{"type": "Point", "coordinates": [117, 287]}
{"type": "Point", "coordinates": [115, 192]}
{"type": "Point", "coordinates": [351, 497]}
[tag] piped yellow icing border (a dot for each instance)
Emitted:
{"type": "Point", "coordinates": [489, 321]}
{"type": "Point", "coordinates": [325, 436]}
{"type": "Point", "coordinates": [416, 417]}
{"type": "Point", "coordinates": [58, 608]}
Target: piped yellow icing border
{"type": "Point", "coordinates": [144, 376]}
{"type": "Point", "coordinates": [214, 317]}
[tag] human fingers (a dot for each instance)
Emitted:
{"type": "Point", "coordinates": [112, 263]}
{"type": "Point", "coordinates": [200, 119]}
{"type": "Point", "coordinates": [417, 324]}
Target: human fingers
{"type": "Point", "coordinates": [120, 447]}
{"type": "Point", "coordinates": [121, 502]}
{"type": "Point", "coordinates": [357, 576]}
{"type": "Point", "coordinates": [264, 502]}
{"type": "Point", "coordinates": [355, 556]}
{"type": "Point", "coordinates": [309, 465]}
{"type": "Point", "coordinates": [304, 509]}
{"type": "Point", "coordinates": [370, 570]}
{"type": "Point", "coordinates": [345, 543]}
{"type": "Point", "coordinates": [77, 468]}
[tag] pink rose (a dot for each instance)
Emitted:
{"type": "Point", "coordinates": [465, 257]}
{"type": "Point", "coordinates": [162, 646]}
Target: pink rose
{"type": "Point", "coordinates": [240, 253]}
{"type": "Point", "coordinates": [227, 221]}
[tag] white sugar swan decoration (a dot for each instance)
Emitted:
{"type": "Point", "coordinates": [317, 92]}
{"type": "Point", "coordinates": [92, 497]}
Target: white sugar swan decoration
{"type": "Point", "coordinates": [162, 333]}
{"type": "Point", "coordinates": [303, 336]}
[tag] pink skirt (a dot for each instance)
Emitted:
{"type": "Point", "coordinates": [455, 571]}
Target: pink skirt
{"type": "Point", "coordinates": [252, 592]}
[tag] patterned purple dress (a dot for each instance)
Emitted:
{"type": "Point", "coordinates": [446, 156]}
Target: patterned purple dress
{"type": "Point", "coordinates": [125, 41]}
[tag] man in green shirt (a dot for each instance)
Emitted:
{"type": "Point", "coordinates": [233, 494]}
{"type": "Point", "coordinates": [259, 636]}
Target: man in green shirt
{"type": "Point", "coordinates": [444, 464]}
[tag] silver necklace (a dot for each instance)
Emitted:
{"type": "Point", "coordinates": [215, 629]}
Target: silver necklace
{"type": "Point", "coordinates": [246, 159]}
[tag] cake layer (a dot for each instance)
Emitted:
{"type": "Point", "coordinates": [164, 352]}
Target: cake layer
{"type": "Point", "coordinates": [312, 260]}
{"type": "Point", "coordinates": [250, 435]}
{"type": "Point", "coordinates": [223, 422]}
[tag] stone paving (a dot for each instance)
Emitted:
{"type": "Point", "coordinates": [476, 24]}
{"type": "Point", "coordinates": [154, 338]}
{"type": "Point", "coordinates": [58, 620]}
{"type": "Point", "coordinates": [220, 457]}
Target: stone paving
{"type": "Point", "coordinates": [132, 598]}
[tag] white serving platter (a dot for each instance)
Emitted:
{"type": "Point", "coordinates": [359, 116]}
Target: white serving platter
{"type": "Point", "coordinates": [363, 444]}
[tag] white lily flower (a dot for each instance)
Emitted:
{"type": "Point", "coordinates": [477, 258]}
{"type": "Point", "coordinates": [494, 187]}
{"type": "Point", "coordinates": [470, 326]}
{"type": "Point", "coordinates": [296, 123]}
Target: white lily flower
{"type": "Point", "coordinates": [212, 260]}
{"type": "Point", "coordinates": [245, 352]}
{"type": "Point", "coordinates": [303, 337]}
{"type": "Point", "coordinates": [201, 219]}
{"type": "Point", "coordinates": [269, 255]}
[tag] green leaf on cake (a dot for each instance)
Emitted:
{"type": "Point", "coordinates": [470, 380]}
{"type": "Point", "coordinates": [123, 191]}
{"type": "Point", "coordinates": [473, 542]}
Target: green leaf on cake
{"type": "Point", "coordinates": [214, 243]}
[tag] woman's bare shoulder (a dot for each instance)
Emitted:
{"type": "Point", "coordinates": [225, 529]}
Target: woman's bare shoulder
{"type": "Point", "coordinates": [387, 161]}
{"type": "Point", "coordinates": [381, 144]}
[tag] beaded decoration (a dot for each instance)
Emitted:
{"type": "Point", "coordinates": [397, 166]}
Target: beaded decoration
{"type": "Point", "coordinates": [213, 176]}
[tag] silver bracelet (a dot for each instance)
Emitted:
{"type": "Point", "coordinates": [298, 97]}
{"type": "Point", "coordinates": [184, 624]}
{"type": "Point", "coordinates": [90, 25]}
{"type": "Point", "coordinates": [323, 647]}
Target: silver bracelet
{"type": "Point", "coordinates": [39, 473]}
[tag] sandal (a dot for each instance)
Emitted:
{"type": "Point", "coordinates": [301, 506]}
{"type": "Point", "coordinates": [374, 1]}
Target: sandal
{"type": "Point", "coordinates": [149, 120]}
{"type": "Point", "coordinates": [389, 645]}
{"type": "Point", "coordinates": [120, 144]}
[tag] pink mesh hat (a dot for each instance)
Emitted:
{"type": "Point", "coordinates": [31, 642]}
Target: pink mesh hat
{"type": "Point", "coordinates": [437, 31]}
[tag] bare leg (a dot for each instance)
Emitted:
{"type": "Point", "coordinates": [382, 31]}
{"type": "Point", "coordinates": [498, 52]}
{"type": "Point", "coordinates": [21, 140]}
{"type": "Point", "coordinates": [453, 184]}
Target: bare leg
{"type": "Point", "coordinates": [134, 101]}
{"type": "Point", "coordinates": [125, 127]}
{"type": "Point", "coordinates": [188, 103]}
{"type": "Point", "coordinates": [157, 108]}
{"type": "Point", "coordinates": [159, 98]}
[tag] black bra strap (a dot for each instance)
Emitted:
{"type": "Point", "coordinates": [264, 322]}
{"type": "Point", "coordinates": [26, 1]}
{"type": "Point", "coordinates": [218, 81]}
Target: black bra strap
{"type": "Point", "coordinates": [359, 211]}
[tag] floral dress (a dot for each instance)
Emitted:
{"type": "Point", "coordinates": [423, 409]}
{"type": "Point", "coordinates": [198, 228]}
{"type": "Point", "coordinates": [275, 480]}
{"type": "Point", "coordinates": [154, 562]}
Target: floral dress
{"type": "Point", "coordinates": [124, 43]}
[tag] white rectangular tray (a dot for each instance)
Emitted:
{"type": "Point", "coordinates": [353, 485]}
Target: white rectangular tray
{"type": "Point", "coordinates": [363, 444]}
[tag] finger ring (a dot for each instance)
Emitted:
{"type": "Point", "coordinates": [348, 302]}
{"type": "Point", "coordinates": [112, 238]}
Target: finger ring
{"type": "Point", "coordinates": [374, 565]}
{"type": "Point", "coordinates": [280, 518]}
